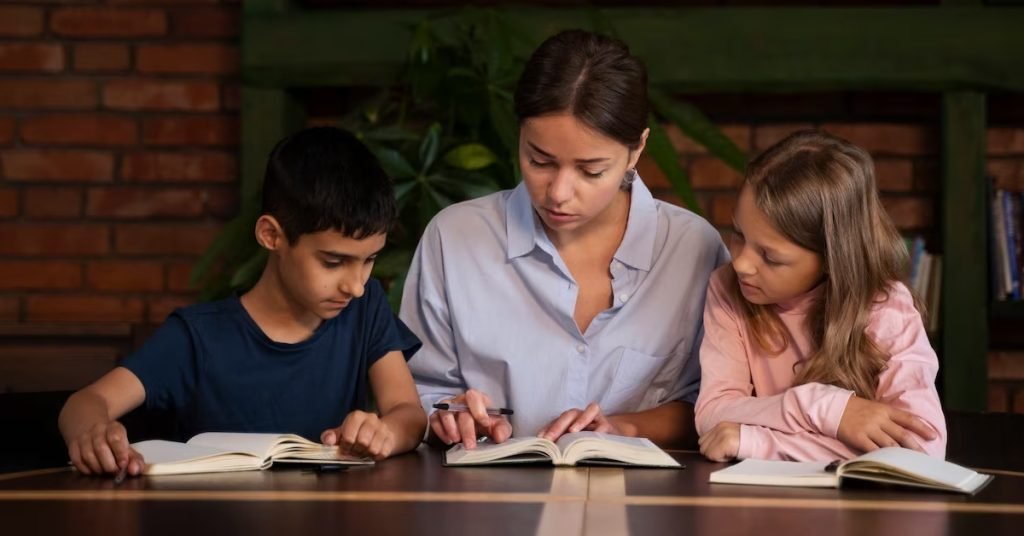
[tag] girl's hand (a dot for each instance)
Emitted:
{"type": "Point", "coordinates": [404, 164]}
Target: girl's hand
{"type": "Point", "coordinates": [868, 426]}
{"type": "Point", "coordinates": [722, 443]}
{"type": "Point", "coordinates": [575, 420]}
{"type": "Point", "coordinates": [103, 449]}
{"type": "Point", "coordinates": [461, 426]}
{"type": "Point", "coordinates": [363, 435]}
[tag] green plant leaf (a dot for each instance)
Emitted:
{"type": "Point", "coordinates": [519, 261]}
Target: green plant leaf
{"type": "Point", "coordinates": [699, 128]}
{"type": "Point", "coordinates": [429, 146]}
{"type": "Point", "coordinates": [249, 272]}
{"type": "Point", "coordinates": [392, 161]}
{"type": "Point", "coordinates": [392, 263]}
{"type": "Point", "coordinates": [470, 156]}
{"type": "Point", "coordinates": [660, 148]}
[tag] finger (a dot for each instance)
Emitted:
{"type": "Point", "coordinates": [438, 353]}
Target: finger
{"type": "Point", "coordinates": [90, 461]}
{"type": "Point", "coordinates": [467, 429]}
{"type": "Point", "coordinates": [136, 462]}
{"type": "Point", "coordinates": [451, 426]}
{"type": "Point", "coordinates": [117, 440]}
{"type": "Point", "coordinates": [477, 403]}
{"type": "Point", "coordinates": [75, 453]}
{"type": "Point", "coordinates": [329, 436]}
{"type": "Point", "coordinates": [902, 436]}
{"type": "Point", "coordinates": [366, 433]}
{"type": "Point", "coordinates": [103, 453]}
{"type": "Point", "coordinates": [603, 427]}
{"type": "Point", "coordinates": [350, 430]}
{"type": "Point", "coordinates": [914, 424]}
{"type": "Point", "coordinates": [377, 444]}
{"type": "Point", "coordinates": [437, 428]}
{"type": "Point", "coordinates": [501, 431]}
{"type": "Point", "coordinates": [585, 418]}
{"type": "Point", "coordinates": [877, 439]}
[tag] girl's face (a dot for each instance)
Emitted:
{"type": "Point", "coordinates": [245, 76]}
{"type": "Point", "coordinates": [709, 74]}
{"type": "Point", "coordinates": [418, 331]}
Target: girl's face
{"type": "Point", "coordinates": [573, 172]}
{"type": "Point", "coordinates": [770, 268]}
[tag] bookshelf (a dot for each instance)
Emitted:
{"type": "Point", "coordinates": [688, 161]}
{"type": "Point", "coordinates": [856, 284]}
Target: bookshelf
{"type": "Point", "coordinates": [961, 49]}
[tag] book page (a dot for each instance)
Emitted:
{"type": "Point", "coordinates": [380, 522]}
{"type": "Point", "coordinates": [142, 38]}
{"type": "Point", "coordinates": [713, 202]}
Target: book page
{"type": "Point", "coordinates": [909, 466]}
{"type": "Point", "coordinates": [776, 473]}
{"type": "Point", "coordinates": [169, 457]}
{"type": "Point", "coordinates": [259, 445]}
{"type": "Point", "coordinates": [494, 452]}
{"type": "Point", "coordinates": [598, 446]}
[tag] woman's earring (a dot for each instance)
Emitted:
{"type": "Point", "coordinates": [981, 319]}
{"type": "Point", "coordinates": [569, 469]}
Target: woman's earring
{"type": "Point", "coordinates": [627, 180]}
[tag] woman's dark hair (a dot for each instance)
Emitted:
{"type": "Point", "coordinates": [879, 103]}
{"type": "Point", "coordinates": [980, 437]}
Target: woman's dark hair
{"type": "Point", "coordinates": [592, 77]}
{"type": "Point", "coordinates": [324, 178]}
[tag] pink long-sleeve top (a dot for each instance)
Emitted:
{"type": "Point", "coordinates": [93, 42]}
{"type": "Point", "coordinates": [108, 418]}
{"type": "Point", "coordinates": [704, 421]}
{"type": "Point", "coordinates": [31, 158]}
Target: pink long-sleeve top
{"type": "Point", "coordinates": [744, 384]}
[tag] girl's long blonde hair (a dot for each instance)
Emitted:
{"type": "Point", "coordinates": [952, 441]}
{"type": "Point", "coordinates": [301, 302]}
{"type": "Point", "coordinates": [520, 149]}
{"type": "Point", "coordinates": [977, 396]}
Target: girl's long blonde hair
{"type": "Point", "coordinates": [819, 191]}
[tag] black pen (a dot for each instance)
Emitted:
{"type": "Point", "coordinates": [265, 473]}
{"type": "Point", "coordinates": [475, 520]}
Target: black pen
{"type": "Point", "coordinates": [462, 407]}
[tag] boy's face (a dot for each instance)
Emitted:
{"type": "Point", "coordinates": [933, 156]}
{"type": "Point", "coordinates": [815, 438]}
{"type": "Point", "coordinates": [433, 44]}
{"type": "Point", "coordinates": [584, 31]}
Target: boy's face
{"type": "Point", "coordinates": [323, 272]}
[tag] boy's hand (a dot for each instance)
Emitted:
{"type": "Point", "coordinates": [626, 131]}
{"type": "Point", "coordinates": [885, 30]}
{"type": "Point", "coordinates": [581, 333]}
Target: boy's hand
{"type": "Point", "coordinates": [362, 434]}
{"type": "Point", "coordinates": [104, 449]}
{"type": "Point", "coordinates": [722, 443]}
{"type": "Point", "coordinates": [461, 426]}
{"type": "Point", "coordinates": [574, 420]}
{"type": "Point", "coordinates": [868, 426]}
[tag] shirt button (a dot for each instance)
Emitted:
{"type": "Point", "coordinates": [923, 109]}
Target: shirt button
{"type": "Point", "coordinates": [580, 348]}
{"type": "Point", "coordinates": [623, 297]}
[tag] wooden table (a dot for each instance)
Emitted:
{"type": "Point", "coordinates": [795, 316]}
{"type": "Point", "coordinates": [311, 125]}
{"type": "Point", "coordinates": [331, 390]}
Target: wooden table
{"type": "Point", "coordinates": [414, 494]}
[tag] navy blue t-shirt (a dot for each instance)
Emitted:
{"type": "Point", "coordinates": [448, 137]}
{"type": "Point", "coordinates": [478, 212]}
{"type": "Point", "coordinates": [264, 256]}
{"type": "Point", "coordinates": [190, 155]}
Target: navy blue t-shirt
{"type": "Point", "coordinates": [215, 369]}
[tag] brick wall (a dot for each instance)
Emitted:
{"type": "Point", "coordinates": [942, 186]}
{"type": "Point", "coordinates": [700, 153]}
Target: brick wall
{"type": "Point", "coordinates": [118, 138]}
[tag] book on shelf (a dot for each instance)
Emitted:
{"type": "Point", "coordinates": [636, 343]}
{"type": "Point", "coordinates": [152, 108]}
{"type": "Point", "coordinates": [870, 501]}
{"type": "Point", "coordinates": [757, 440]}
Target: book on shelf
{"type": "Point", "coordinates": [214, 452]}
{"type": "Point", "coordinates": [891, 465]}
{"type": "Point", "coordinates": [570, 449]}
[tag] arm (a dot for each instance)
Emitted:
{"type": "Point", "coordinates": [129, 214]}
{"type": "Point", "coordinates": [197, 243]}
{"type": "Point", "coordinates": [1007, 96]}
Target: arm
{"type": "Point", "coordinates": [766, 444]}
{"type": "Point", "coordinates": [668, 425]}
{"type": "Point", "coordinates": [96, 442]}
{"type": "Point", "coordinates": [726, 392]}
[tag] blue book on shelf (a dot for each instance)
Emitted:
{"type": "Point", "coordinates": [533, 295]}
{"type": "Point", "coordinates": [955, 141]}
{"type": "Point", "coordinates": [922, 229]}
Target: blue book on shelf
{"type": "Point", "coordinates": [1012, 262]}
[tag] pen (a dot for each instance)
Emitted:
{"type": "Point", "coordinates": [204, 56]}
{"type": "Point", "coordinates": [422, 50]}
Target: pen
{"type": "Point", "coordinates": [462, 407]}
{"type": "Point", "coordinates": [122, 473]}
{"type": "Point", "coordinates": [833, 466]}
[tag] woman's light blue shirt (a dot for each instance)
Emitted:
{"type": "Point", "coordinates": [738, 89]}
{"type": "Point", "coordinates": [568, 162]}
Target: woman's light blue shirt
{"type": "Point", "coordinates": [493, 302]}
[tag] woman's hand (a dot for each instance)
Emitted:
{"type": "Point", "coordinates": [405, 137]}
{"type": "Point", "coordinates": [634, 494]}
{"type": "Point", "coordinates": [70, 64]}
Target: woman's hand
{"type": "Point", "coordinates": [722, 443]}
{"type": "Point", "coordinates": [868, 426]}
{"type": "Point", "coordinates": [574, 420]}
{"type": "Point", "coordinates": [461, 426]}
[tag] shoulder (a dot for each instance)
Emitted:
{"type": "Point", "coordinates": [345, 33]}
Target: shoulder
{"type": "Point", "coordinates": [894, 315]}
{"type": "Point", "coordinates": [688, 230]}
{"type": "Point", "coordinates": [719, 294]}
{"type": "Point", "coordinates": [487, 209]}
{"type": "Point", "coordinates": [199, 312]}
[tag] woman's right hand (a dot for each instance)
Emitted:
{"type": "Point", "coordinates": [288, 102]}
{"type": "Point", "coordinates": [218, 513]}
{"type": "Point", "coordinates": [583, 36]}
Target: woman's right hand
{"type": "Point", "coordinates": [461, 426]}
{"type": "Point", "coordinates": [868, 425]}
{"type": "Point", "coordinates": [104, 448]}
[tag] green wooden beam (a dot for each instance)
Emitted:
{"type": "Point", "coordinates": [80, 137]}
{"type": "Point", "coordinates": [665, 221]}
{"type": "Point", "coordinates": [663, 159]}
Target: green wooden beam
{"type": "Point", "coordinates": [964, 304]}
{"type": "Point", "coordinates": [686, 49]}
{"type": "Point", "coordinates": [268, 115]}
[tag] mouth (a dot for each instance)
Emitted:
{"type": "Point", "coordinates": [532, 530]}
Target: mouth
{"type": "Point", "coordinates": [558, 216]}
{"type": "Point", "coordinates": [744, 284]}
{"type": "Point", "coordinates": [338, 304]}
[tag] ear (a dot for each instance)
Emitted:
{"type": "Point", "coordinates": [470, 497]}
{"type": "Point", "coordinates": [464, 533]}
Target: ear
{"type": "Point", "coordinates": [269, 233]}
{"type": "Point", "coordinates": [634, 154]}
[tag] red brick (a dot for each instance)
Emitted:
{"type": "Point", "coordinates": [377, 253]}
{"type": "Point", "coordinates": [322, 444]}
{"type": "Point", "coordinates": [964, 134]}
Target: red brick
{"type": "Point", "coordinates": [163, 2]}
{"type": "Point", "coordinates": [767, 135]}
{"type": "Point", "coordinates": [722, 207]}
{"type": "Point", "coordinates": [20, 21]}
{"type": "Point", "coordinates": [31, 57]}
{"type": "Point", "coordinates": [10, 308]}
{"type": "Point", "coordinates": [1006, 365]}
{"type": "Point", "coordinates": [8, 202]}
{"type": "Point", "coordinates": [56, 165]}
{"type": "Point", "coordinates": [40, 275]}
{"type": "Point", "coordinates": [6, 130]}
{"type": "Point", "coordinates": [652, 175]}
{"type": "Point", "coordinates": [102, 57]}
{"type": "Point", "coordinates": [108, 22]}
{"type": "Point", "coordinates": [83, 308]}
{"type": "Point", "coordinates": [54, 240]}
{"type": "Point", "coordinates": [47, 93]}
{"type": "Point", "coordinates": [222, 202]}
{"type": "Point", "coordinates": [739, 134]}
{"type": "Point", "coordinates": [187, 59]}
{"type": "Point", "coordinates": [710, 172]}
{"type": "Point", "coordinates": [164, 238]}
{"type": "Point", "coordinates": [232, 97]}
{"type": "Point", "coordinates": [135, 203]}
{"type": "Point", "coordinates": [159, 94]}
{"type": "Point", "coordinates": [926, 176]}
{"type": "Point", "coordinates": [1008, 173]}
{"type": "Point", "coordinates": [206, 22]}
{"type": "Point", "coordinates": [179, 167]}
{"type": "Point", "coordinates": [125, 275]}
{"type": "Point", "coordinates": [998, 396]}
{"type": "Point", "coordinates": [894, 175]}
{"type": "Point", "coordinates": [887, 139]}
{"type": "Point", "coordinates": [1005, 141]}
{"type": "Point", "coordinates": [80, 129]}
{"type": "Point", "coordinates": [158, 309]}
{"type": "Point", "coordinates": [910, 213]}
{"type": "Point", "coordinates": [1018, 399]}
{"type": "Point", "coordinates": [191, 131]}
{"type": "Point", "coordinates": [53, 203]}
{"type": "Point", "coordinates": [179, 273]}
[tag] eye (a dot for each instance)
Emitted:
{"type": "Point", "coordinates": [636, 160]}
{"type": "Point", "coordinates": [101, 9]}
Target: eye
{"type": "Point", "coordinates": [592, 174]}
{"type": "Point", "coordinates": [371, 260]}
{"type": "Point", "coordinates": [539, 164]}
{"type": "Point", "coordinates": [330, 264]}
{"type": "Point", "coordinates": [769, 261]}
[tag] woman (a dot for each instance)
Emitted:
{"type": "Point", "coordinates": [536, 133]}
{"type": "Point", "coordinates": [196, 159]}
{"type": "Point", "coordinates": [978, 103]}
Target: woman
{"type": "Point", "coordinates": [574, 299]}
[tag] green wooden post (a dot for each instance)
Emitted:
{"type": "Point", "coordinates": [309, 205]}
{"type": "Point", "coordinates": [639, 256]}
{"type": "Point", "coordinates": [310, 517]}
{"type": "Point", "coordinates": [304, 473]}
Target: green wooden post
{"type": "Point", "coordinates": [964, 305]}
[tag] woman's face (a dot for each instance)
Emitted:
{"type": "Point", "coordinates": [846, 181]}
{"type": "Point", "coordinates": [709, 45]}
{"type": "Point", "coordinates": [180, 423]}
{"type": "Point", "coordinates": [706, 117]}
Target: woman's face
{"type": "Point", "coordinates": [573, 172]}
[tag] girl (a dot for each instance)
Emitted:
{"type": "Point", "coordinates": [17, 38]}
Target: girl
{"type": "Point", "coordinates": [813, 348]}
{"type": "Point", "coordinates": [576, 298]}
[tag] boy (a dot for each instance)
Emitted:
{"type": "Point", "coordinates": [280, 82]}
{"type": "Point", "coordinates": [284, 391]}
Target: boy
{"type": "Point", "coordinates": [291, 354]}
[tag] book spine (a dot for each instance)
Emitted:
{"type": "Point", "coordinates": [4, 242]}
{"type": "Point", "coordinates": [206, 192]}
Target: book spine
{"type": "Point", "coordinates": [1001, 277]}
{"type": "Point", "coordinates": [1012, 268]}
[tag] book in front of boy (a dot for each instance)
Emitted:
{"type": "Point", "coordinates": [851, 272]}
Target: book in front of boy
{"type": "Point", "coordinates": [570, 449]}
{"type": "Point", "coordinates": [215, 452]}
{"type": "Point", "coordinates": [890, 465]}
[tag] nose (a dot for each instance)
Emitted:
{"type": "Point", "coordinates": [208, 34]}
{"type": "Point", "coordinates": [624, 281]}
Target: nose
{"type": "Point", "coordinates": [560, 189]}
{"type": "Point", "coordinates": [352, 281]}
{"type": "Point", "coordinates": [742, 262]}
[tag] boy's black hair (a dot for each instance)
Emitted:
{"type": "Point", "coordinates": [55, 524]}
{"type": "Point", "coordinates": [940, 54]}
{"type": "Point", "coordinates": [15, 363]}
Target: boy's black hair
{"type": "Point", "coordinates": [324, 178]}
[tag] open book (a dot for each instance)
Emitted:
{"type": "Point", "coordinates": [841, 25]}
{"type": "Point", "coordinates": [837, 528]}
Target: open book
{"type": "Point", "coordinates": [891, 465]}
{"type": "Point", "coordinates": [215, 452]}
{"type": "Point", "coordinates": [570, 449]}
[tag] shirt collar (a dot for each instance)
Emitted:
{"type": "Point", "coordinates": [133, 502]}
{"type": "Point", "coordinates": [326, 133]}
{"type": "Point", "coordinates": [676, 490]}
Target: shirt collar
{"type": "Point", "coordinates": [636, 249]}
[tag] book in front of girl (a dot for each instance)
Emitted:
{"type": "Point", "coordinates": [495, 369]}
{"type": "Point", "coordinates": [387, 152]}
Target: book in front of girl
{"type": "Point", "coordinates": [592, 448]}
{"type": "Point", "coordinates": [215, 452]}
{"type": "Point", "coordinates": [890, 465]}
